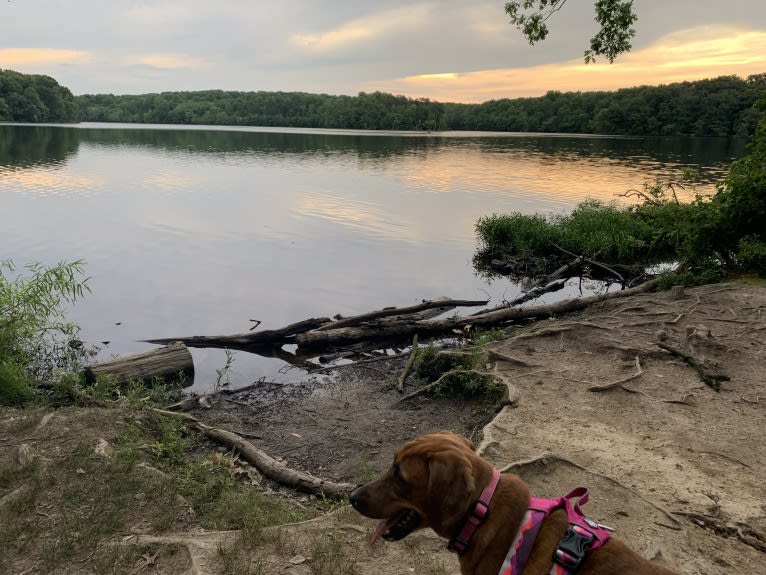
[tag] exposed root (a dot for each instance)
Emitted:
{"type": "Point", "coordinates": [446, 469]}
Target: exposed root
{"type": "Point", "coordinates": [202, 547]}
{"type": "Point", "coordinates": [740, 532]}
{"type": "Point", "coordinates": [708, 378]}
{"type": "Point", "coordinates": [619, 382]}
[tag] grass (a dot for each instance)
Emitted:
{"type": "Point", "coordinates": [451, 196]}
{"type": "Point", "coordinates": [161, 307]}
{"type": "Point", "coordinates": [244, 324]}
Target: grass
{"type": "Point", "coordinates": [459, 372]}
{"type": "Point", "coordinates": [61, 507]}
{"type": "Point", "coordinates": [329, 557]}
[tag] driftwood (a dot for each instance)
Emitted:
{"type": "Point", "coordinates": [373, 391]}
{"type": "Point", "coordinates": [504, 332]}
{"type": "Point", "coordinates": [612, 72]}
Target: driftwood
{"type": "Point", "coordinates": [263, 462]}
{"type": "Point", "coordinates": [267, 342]}
{"type": "Point", "coordinates": [390, 327]}
{"type": "Point", "coordinates": [172, 363]}
{"type": "Point", "coordinates": [497, 316]}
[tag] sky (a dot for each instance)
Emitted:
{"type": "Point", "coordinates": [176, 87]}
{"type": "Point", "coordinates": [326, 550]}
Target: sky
{"type": "Point", "coordinates": [446, 50]}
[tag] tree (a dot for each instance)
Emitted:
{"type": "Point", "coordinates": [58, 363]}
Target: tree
{"type": "Point", "coordinates": [615, 17]}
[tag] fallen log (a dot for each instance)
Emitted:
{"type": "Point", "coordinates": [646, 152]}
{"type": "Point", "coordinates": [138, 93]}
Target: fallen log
{"type": "Point", "coordinates": [263, 462]}
{"type": "Point", "coordinates": [404, 329]}
{"type": "Point", "coordinates": [250, 341]}
{"type": "Point", "coordinates": [173, 364]}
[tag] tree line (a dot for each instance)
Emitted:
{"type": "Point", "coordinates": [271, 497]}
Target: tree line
{"type": "Point", "coordinates": [35, 98]}
{"type": "Point", "coordinates": [721, 106]}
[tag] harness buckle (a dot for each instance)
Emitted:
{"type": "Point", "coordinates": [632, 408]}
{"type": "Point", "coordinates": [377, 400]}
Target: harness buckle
{"type": "Point", "coordinates": [573, 548]}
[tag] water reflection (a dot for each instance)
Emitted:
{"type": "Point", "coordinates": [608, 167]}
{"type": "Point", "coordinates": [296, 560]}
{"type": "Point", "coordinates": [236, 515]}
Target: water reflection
{"type": "Point", "coordinates": [196, 231]}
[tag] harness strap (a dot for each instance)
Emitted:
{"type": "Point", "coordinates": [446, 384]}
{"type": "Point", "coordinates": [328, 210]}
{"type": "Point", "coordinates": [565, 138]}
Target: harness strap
{"type": "Point", "coordinates": [583, 535]}
{"type": "Point", "coordinates": [459, 542]}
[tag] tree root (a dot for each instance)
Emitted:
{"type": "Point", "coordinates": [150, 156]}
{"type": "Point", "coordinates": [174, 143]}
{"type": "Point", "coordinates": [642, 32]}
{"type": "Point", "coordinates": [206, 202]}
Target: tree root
{"type": "Point", "coordinates": [263, 462]}
{"type": "Point", "coordinates": [619, 382]}
{"type": "Point", "coordinates": [740, 532]}
{"type": "Point", "coordinates": [202, 547]}
{"type": "Point", "coordinates": [710, 379]}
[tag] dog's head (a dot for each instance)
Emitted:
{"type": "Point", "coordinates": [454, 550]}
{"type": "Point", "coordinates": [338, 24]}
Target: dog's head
{"type": "Point", "coordinates": [433, 482]}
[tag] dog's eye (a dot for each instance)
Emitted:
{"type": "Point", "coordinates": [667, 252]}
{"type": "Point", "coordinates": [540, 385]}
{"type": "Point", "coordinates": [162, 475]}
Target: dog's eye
{"type": "Point", "coordinates": [398, 476]}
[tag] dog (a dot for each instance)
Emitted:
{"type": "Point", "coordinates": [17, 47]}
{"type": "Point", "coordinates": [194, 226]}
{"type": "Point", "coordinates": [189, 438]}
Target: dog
{"type": "Point", "coordinates": [435, 482]}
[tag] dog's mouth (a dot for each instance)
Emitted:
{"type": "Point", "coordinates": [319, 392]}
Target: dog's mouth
{"type": "Point", "coordinates": [398, 526]}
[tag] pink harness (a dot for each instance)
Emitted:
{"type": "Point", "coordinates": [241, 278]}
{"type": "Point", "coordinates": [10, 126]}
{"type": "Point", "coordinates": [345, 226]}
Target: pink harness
{"type": "Point", "coordinates": [583, 535]}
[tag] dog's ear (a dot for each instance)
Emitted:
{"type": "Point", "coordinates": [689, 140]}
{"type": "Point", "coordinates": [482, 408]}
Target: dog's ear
{"type": "Point", "coordinates": [450, 487]}
{"type": "Point", "coordinates": [458, 439]}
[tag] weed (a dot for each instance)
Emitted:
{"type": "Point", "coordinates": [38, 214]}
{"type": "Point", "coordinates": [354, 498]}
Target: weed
{"type": "Point", "coordinates": [222, 375]}
{"type": "Point", "coordinates": [237, 561]}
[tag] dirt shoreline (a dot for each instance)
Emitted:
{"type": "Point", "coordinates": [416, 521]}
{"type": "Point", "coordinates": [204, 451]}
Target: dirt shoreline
{"type": "Point", "coordinates": [675, 466]}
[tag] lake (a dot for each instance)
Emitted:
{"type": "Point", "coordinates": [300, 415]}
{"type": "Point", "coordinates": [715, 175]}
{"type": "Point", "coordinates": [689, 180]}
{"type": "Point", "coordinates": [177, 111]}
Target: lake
{"type": "Point", "coordinates": [199, 230]}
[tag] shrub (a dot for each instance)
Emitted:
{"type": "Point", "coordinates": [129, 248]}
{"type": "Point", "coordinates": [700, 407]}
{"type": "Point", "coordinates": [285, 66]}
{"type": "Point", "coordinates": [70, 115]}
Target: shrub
{"type": "Point", "coordinates": [36, 341]}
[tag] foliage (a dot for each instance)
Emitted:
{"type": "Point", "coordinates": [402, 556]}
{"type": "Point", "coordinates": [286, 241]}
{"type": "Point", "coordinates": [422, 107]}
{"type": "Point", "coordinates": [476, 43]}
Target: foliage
{"type": "Point", "coordinates": [459, 372]}
{"type": "Point", "coordinates": [615, 17]}
{"type": "Point", "coordinates": [36, 341]}
{"type": "Point", "coordinates": [34, 98]}
{"type": "Point", "coordinates": [716, 107]}
{"type": "Point", "coordinates": [708, 237]}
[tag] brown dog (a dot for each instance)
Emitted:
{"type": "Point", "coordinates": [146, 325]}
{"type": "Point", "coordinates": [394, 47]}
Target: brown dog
{"type": "Point", "coordinates": [436, 480]}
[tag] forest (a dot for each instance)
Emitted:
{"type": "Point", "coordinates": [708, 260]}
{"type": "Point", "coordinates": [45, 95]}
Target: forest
{"type": "Point", "coordinates": [721, 106]}
{"type": "Point", "coordinates": [35, 98]}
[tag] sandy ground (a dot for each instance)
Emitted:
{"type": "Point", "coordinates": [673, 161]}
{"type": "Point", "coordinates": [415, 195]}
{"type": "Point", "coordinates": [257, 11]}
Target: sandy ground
{"type": "Point", "coordinates": [651, 449]}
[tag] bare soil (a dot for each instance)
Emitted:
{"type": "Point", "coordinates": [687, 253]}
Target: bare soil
{"type": "Point", "coordinates": [673, 465]}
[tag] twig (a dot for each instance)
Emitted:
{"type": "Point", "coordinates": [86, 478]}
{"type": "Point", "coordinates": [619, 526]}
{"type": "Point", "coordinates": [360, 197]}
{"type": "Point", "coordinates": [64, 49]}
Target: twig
{"type": "Point", "coordinates": [408, 365]}
{"type": "Point", "coordinates": [619, 382]}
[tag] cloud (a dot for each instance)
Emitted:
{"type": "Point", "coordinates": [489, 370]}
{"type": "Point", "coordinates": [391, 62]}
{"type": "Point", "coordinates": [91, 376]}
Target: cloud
{"type": "Point", "coordinates": [168, 61]}
{"type": "Point", "coordinates": [23, 57]}
{"type": "Point", "coordinates": [691, 54]}
{"type": "Point", "coordinates": [368, 27]}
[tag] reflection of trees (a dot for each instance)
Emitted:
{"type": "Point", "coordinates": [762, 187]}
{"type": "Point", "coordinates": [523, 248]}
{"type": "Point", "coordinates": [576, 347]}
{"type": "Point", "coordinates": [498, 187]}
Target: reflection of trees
{"type": "Point", "coordinates": [25, 146]}
{"type": "Point", "coordinates": [245, 142]}
{"type": "Point", "coordinates": [628, 151]}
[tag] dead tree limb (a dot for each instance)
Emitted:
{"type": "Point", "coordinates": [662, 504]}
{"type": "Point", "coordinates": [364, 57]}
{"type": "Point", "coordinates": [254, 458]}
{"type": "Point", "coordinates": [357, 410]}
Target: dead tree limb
{"type": "Point", "coordinates": [266, 464]}
{"type": "Point", "coordinates": [710, 379]}
{"type": "Point", "coordinates": [441, 304]}
{"type": "Point", "coordinates": [619, 382]}
{"type": "Point", "coordinates": [248, 341]}
{"type": "Point", "coordinates": [497, 316]}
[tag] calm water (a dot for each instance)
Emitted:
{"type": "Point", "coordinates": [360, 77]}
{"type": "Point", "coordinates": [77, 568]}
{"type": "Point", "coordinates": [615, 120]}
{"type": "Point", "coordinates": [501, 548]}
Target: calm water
{"type": "Point", "coordinates": [196, 231]}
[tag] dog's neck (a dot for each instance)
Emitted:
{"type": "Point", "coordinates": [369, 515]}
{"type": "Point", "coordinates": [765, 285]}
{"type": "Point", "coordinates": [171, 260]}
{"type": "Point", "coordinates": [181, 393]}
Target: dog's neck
{"type": "Point", "coordinates": [461, 539]}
